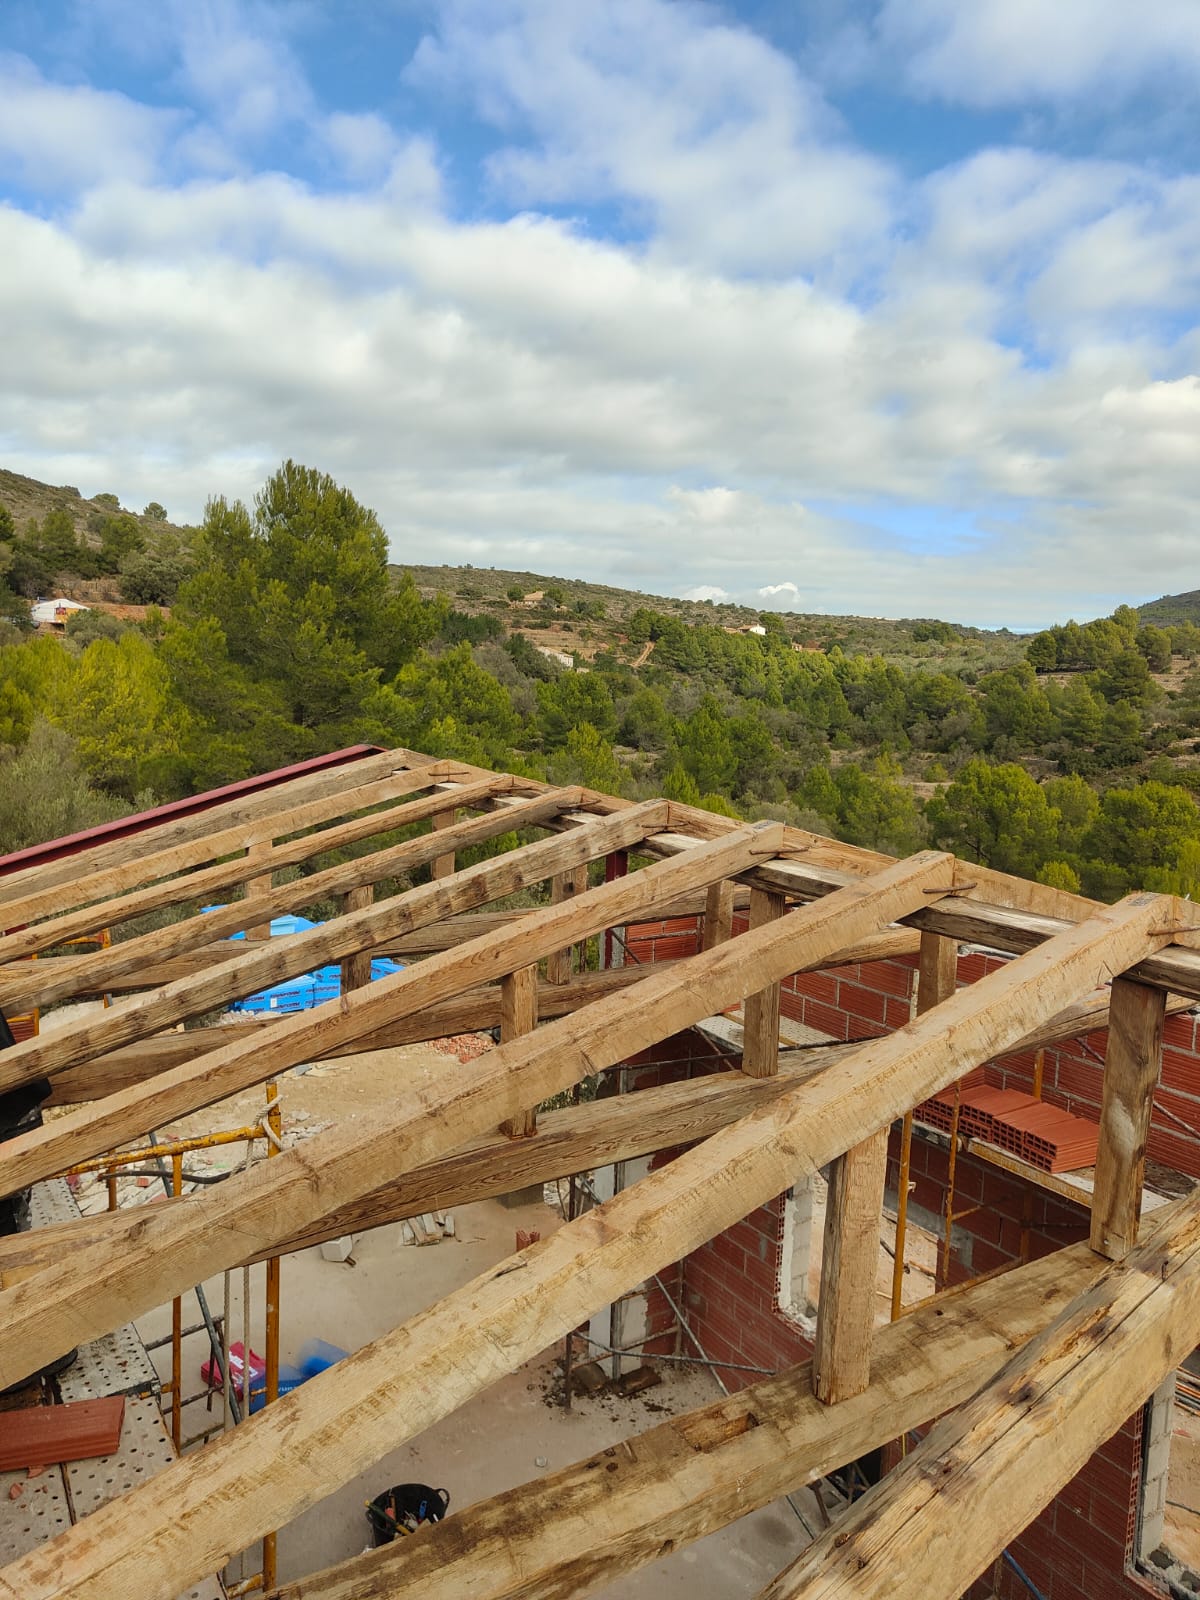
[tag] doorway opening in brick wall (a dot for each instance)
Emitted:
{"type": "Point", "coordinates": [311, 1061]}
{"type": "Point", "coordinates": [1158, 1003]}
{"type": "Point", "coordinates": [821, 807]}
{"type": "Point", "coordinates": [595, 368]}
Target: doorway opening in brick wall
{"type": "Point", "coordinates": [802, 1250]}
{"type": "Point", "coordinates": [1168, 1540]}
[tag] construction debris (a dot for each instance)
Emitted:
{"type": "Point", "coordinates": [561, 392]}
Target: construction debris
{"type": "Point", "coordinates": [431, 1227]}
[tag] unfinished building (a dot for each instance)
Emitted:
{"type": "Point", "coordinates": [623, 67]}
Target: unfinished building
{"type": "Point", "coordinates": [1018, 1409]}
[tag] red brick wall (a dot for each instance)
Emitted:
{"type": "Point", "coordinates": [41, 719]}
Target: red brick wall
{"type": "Point", "coordinates": [860, 1001]}
{"type": "Point", "coordinates": [731, 1299]}
{"type": "Point", "coordinates": [866, 999]}
{"type": "Point", "coordinates": [683, 1055]}
{"type": "Point", "coordinates": [1080, 1546]}
{"type": "Point", "coordinates": [1072, 1074]}
{"type": "Point", "coordinates": [992, 1208]}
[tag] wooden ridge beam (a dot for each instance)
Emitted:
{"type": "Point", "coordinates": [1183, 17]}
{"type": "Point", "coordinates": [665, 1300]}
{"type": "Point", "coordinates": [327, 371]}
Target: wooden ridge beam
{"type": "Point", "coordinates": [240, 811]}
{"type": "Point", "coordinates": [133, 1112]}
{"type": "Point", "coordinates": [571, 1139]}
{"type": "Point", "coordinates": [983, 1473]}
{"type": "Point", "coordinates": [470, 1012]}
{"type": "Point", "coordinates": [816, 866]}
{"type": "Point", "coordinates": [256, 968]}
{"type": "Point", "coordinates": [253, 1210]}
{"type": "Point", "coordinates": [324, 1433]}
{"type": "Point", "coordinates": [258, 861]}
{"type": "Point", "coordinates": [571, 1531]}
{"type": "Point", "coordinates": [892, 942]}
{"type": "Point", "coordinates": [24, 984]}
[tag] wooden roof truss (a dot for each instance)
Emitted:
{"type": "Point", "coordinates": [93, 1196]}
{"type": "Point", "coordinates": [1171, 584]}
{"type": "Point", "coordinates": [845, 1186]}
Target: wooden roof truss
{"type": "Point", "coordinates": [1106, 1321]}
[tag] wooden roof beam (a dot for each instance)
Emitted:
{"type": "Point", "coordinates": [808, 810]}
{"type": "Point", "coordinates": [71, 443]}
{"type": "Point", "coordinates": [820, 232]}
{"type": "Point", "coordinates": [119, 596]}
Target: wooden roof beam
{"type": "Point", "coordinates": [471, 1012]}
{"type": "Point", "coordinates": [571, 1531]}
{"type": "Point", "coordinates": [572, 1139]}
{"type": "Point", "coordinates": [892, 942]}
{"type": "Point", "coordinates": [241, 810]}
{"type": "Point", "coordinates": [691, 1111]}
{"type": "Point", "coordinates": [983, 1473]}
{"type": "Point", "coordinates": [24, 983]}
{"type": "Point", "coordinates": [173, 1529]}
{"type": "Point", "coordinates": [616, 1129]}
{"type": "Point", "coordinates": [172, 888]}
{"type": "Point", "coordinates": [244, 1062]}
{"type": "Point", "coordinates": [1132, 1065]}
{"type": "Point", "coordinates": [256, 966]}
{"type": "Point", "coordinates": [93, 888]}
{"type": "Point", "coordinates": [255, 1209]}
{"type": "Point", "coordinates": [819, 870]}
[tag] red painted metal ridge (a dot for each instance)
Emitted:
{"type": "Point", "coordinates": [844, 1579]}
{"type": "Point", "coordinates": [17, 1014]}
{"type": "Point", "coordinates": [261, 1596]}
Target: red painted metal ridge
{"type": "Point", "coordinates": [72, 843]}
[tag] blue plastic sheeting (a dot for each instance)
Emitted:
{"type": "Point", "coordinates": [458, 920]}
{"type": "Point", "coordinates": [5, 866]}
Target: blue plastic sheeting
{"type": "Point", "coordinates": [280, 925]}
{"type": "Point", "coordinates": [308, 989]}
{"type": "Point", "coordinates": [289, 1378]}
{"type": "Point", "coordinates": [318, 1355]}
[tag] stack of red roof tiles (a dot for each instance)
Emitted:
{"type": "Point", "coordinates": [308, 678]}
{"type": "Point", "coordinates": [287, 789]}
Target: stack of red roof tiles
{"type": "Point", "coordinates": [1044, 1135]}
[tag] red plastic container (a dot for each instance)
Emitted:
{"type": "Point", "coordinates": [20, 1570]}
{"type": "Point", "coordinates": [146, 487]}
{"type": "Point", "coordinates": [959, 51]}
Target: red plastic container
{"type": "Point", "coordinates": [210, 1371]}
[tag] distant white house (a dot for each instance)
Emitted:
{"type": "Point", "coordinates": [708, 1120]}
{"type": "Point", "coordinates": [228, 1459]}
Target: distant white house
{"type": "Point", "coordinates": [756, 627]}
{"type": "Point", "coordinates": [55, 612]}
{"type": "Point", "coordinates": [560, 656]}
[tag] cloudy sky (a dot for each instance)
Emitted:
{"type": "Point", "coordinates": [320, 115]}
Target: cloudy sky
{"type": "Point", "coordinates": [876, 306]}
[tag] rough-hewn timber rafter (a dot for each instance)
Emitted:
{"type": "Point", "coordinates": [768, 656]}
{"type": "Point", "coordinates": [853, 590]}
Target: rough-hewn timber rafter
{"type": "Point", "coordinates": [434, 1114]}
{"type": "Point", "coordinates": [243, 810]}
{"type": "Point", "coordinates": [424, 1369]}
{"type": "Point", "coordinates": [344, 935]}
{"type": "Point", "coordinates": [571, 1531]}
{"type": "Point", "coordinates": [761, 1135]}
{"type": "Point", "coordinates": [206, 881]}
{"type": "Point", "coordinates": [105, 889]}
{"type": "Point", "coordinates": [919, 1534]}
{"type": "Point", "coordinates": [26, 985]}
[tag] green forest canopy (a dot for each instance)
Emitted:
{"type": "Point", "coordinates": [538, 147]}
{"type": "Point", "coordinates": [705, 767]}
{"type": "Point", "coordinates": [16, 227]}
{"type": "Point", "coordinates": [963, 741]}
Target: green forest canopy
{"type": "Point", "coordinates": [1071, 758]}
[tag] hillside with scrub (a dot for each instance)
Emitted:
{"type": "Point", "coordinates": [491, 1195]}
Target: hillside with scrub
{"type": "Point", "coordinates": [277, 631]}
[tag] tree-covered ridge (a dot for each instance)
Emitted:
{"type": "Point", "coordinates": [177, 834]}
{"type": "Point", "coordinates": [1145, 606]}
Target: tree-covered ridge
{"type": "Point", "coordinates": [289, 635]}
{"type": "Point", "coordinates": [51, 538]}
{"type": "Point", "coordinates": [1112, 642]}
{"type": "Point", "coordinates": [1172, 608]}
{"type": "Point", "coordinates": [577, 602]}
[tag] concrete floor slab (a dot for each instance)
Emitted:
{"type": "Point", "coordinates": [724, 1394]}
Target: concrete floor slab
{"type": "Point", "coordinates": [499, 1437]}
